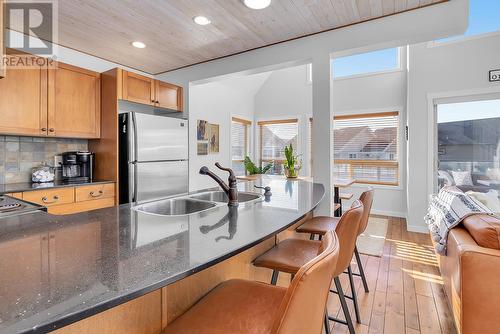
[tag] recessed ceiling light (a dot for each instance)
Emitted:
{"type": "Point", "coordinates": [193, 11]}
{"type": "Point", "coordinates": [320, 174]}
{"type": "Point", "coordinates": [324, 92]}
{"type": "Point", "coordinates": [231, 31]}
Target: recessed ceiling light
{"type": "Point", "coordinates": [201, 20]}
{"type": "Point", "coordinates": [139, 45]}
{"type": "Point", "coordinates": [257, 4]}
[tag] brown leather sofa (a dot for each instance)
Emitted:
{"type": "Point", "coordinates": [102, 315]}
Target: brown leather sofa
{"type": "Point", "coordinates": [471, 274]}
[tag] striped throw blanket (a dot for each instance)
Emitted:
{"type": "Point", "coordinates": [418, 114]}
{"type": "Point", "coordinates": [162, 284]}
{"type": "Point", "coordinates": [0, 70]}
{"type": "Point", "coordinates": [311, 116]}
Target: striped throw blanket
{"type": "Point", "coordinates": [447, 210]}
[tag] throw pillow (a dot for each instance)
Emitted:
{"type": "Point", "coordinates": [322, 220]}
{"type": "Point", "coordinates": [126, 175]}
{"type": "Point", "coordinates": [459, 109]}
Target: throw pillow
{"type": "Point", "coordinates": [489, 199]}
{"type": "Point", "coordinates": [462, 178]}
{"type": "Point", "coordinates": [448, 180]}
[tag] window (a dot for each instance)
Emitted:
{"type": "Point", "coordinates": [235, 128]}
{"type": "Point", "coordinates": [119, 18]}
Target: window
{"type": "Point", "coordinates": [239, 144]}
{"type": "Point", "coordinates": [274, 136]}
{"type": "Point", "coordinates": [366, 63]}
{"type": "Point", "coordinates": [468, 145]}
{"type": "Point", "coordinates": [366, 148]}
{"type": "Point", "coordinates": [483, 18]}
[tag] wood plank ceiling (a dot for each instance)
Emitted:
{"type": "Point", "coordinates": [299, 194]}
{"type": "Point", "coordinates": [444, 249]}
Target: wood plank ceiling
{"type": "Point", "coordinates": [106, 28]}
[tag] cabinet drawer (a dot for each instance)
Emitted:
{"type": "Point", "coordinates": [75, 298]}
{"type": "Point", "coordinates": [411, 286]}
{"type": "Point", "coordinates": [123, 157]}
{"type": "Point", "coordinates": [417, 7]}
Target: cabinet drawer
{"type": "Point", "coordinates": [50, 197]}
{"type": "Point", "coordinates": [85, 206]}
{"type": "Point", "coordinates": [94, 192]}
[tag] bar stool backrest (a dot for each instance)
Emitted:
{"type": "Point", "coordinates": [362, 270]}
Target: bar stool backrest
{"type": "Point", "coordinates": [347, 231]}
{"type": "Point", "coordinates": [367, 199]}
{"type": "Point", "coordinates": [303, 307]}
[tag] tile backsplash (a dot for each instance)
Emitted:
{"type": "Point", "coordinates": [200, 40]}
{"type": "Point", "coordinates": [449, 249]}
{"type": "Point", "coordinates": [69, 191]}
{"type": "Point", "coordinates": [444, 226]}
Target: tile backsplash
{"type": "Point", "coordinates": [19, 154]}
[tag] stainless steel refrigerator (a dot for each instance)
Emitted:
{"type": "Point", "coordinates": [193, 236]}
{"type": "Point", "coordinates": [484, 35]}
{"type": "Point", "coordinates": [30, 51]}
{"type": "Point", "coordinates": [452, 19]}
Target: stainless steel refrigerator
{"type": "Point", "coordinates": [153, 156]}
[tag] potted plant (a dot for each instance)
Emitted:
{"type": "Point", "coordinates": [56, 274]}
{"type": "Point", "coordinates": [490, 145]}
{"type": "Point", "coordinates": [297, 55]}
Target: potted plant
{"type": "Point", "coordinates": [292, 164]}
{"type": "Point", "coordinates": [252, 169]}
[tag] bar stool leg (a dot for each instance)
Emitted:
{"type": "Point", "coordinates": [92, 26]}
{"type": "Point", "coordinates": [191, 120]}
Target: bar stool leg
{"type": "Point", "coordinates": [343, 303]}
{"type": "Point", "coordinates": [311, 237]}
{"type": "Point", "coordinates": [361, 270]}
{"type": "Point", "coordinates": [327, 323]}
{"type": "Point", "coordinates": [354, 296]}
{"type": "Point", "coordinates": [274, 278]}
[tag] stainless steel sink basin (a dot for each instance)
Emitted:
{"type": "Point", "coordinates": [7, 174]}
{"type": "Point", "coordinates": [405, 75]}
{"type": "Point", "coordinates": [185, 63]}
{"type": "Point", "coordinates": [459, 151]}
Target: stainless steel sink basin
{"type": "Point", "coordinates": [174, 207]}
{"type": "Point", "coordinates": [221, 197]}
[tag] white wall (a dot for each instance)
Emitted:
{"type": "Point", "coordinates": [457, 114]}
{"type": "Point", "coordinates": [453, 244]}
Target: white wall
{"type": "Point", "coordinates": [216, 103]}
{"type": "Point", "coordinates": [446, 69]}
{"type": "Point", "coordinates": [424, 24]}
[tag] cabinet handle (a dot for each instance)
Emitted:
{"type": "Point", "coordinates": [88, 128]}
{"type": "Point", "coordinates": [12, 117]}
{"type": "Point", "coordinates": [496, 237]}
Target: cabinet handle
{"type": "Point", "coordinates": [157, 101]}
{"type": "Point", "coordinates": [46, 200]}
{"type": "Point", "coordinates": [51, 130]}
{"type": "Point", "coordinates": [153, 101]}
{"type": "Point", "coordinates": [43, 129]}
{"type": "Point", "coordinates": [94, 194]}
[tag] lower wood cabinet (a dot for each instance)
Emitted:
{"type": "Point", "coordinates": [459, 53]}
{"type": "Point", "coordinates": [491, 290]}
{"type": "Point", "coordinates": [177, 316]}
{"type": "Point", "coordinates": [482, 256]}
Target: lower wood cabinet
{"type": "Point", "coordinates": [61, 201]}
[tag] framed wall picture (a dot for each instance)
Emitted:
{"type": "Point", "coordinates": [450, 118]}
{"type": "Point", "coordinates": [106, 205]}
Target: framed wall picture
{"type": "Point", "coordinates": [213, 138]}
{"type": "Point", "coordinates": [201, 130]}
{"type": "Point", "coordinates": [202, 148]}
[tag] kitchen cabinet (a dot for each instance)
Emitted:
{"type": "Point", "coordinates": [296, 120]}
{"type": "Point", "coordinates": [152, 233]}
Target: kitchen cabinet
{"type": "Point", "coordinates": [57, 102]}
{"type": "Point", "coordinates": [168, 95]}
{"type": "Point", "coordinates": [63, 201]}
{"type": "Point", "coordinates": [74, 104]}
{"type": "Point", "coordinates": [141, 89]}
{"type": "Point", "coordinates": [137, 88]}
{"type": "Point", "coordinates": [23, 104]}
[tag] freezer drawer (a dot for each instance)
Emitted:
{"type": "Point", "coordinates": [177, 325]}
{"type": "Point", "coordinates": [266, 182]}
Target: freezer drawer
{"type": "Point", "coordinates": [152, 180]}
{"type": "Point", "coordinates": [160, 138]}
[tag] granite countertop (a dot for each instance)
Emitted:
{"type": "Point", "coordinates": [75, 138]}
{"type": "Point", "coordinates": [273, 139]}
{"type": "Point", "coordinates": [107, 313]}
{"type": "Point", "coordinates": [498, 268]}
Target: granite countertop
{"type": "Point", "coordinates": [56, 270]}
{"type": "Point", "coordinates": [28, 186]}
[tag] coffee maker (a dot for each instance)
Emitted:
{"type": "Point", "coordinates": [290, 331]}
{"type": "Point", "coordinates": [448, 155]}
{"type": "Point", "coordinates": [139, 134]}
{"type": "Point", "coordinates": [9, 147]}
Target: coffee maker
{"type": "Point", "coordinates": [77, 166]}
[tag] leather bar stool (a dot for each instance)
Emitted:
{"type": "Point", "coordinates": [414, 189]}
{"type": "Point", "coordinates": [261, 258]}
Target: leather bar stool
{"type": "Point", "coordinates": [290, 254]}
{"type": "Point", "coordinates": [321, 224]}
{"type": "Point", "coordinates": [247, 307]}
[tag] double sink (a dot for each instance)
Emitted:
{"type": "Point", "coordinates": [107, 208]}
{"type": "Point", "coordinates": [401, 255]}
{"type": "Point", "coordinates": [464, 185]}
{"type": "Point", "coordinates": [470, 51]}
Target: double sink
{"type": "Point", "coordinates": [182, 206]}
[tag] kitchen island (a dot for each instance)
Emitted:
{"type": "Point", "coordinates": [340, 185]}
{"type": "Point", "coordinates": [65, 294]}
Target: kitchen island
{"type": "Point", "coordinates": [120, 270]}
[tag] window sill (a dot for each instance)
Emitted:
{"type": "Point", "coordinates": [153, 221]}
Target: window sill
{"type": "Point", "coordinates": [376, 186]}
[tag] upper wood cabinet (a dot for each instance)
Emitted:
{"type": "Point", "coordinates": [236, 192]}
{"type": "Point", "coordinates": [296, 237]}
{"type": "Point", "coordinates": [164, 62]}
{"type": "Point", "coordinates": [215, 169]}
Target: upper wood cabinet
{"type": "Point", "coordinates": [168, 95]}
{"type": "Point", "coordinates": [74, 103]}
{"type": "Point", "coordinates": [23, 102]}
{"type": "Point", "coordinates": [60, 102]}
{"type": "Point", "coordinates": [137, 88]}
{"type": "Point", "coordinates": [141, 89]}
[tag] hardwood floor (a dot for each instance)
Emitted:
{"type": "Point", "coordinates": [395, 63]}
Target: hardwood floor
{"type": "Point", "coordinates": [406, 290]}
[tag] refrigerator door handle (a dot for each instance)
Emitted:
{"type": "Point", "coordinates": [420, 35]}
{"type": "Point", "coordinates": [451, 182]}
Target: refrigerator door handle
{"type": "Point", "coordinates": [133, 137]}
{"type": "Point", "coordinates": [132, 174]}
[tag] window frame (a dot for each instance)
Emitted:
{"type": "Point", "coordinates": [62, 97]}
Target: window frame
{"type": "Point", "coordinates": [394, 163]}
{"type": "Point", "coordinates": [276, 121]}
{"type": "Point", "coordinates": [248, 125]}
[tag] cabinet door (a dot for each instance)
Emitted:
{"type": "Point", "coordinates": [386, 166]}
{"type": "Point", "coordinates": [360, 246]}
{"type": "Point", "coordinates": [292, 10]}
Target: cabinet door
{"type": "Point", "coordinates": [168, 95]}
{"type": "Point", "coordinates": [74, 104]}
{"type": "Point", "coordinates": [23, 272]}
{"type": "Point", "coordinates": [137, 88]}
{"type": "Point", "coordinates": [23, 101]}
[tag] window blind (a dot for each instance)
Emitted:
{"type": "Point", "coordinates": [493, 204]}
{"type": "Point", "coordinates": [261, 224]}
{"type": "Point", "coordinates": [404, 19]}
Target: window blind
{"type": "Point", "coordinates": [274, 136]}
{"type": "Point", "coordinates": [366, 148]}
{"type": "Point", "coordinates": [239, 144]}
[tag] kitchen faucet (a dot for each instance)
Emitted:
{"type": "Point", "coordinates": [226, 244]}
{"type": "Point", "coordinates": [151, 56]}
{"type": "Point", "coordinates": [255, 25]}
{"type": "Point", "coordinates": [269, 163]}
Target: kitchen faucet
{"type": "Point", "coordinates": [230, 188]}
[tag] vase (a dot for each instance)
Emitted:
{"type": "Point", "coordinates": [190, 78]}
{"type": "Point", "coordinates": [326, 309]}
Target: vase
{"type": "Point", "coordinates": [291, 173]}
